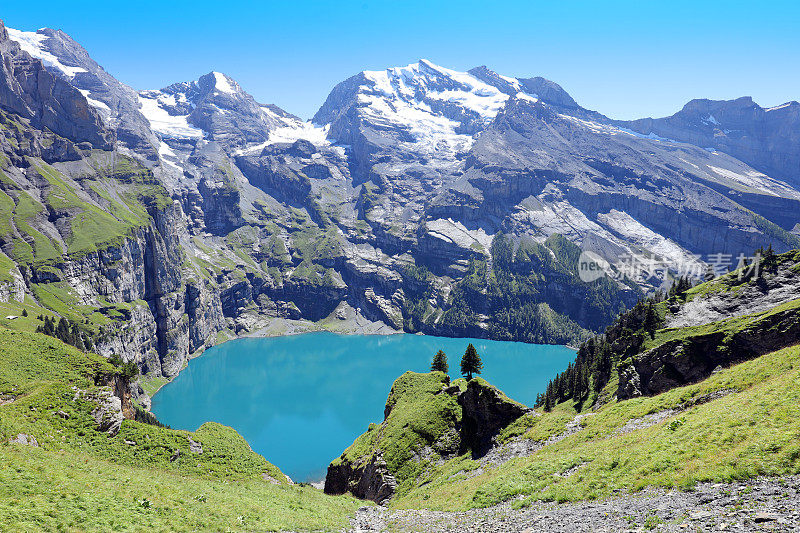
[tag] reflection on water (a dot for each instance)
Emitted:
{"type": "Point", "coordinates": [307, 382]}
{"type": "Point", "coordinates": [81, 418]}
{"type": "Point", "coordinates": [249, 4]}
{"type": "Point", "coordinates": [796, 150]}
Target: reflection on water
{"type": "Point", "coordinates": [301, 400]}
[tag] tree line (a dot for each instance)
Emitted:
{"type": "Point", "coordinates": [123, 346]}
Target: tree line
{"type": "Point", "coordinates": [67, 331]}
{"type": "Point", "coordinates": [597, 356]}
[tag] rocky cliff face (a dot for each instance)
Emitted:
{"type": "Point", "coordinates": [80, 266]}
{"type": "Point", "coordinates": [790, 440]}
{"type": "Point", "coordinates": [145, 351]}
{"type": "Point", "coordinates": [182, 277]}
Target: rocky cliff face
{"type": "Point", "coordinates": [729, 321]}
{"type": "Point", "coordinates": [30, 91]}
{"type": "Point", "coordinates": [115, 103]}
{"type": "Point", "coordinates": [371, 480]}
{"type": "Point", "coordinates": [485, 412]}
{"type": "Point", "coordinates": [682, 337]}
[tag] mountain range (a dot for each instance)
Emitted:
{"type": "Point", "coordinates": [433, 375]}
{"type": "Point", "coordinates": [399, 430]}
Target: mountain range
{"type": "Point", "coordinates": [160, 222]}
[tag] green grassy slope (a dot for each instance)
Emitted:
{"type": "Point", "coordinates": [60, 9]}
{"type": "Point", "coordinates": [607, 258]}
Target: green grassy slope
{"type": "Point", "coordinates": [638, 346]}
{"type": "Point", "coordinates": [80, 478]}
{"type": "Point", "coordinates": [103, 207]}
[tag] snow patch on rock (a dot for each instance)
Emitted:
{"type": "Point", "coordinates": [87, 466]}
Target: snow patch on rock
{"type": "Point", "coordinates": [95, 103]}
{"type": "Point", "coordinates": [632, 231]}
{"type": "Point", "coordinates": [756, 180]}
{"type": "Point", "coordinates": [223, 83]}
{"type": "Point", "coordinates": [456, 233]}
{"type": "Point", "coordinates": [34, 44]}
{"type": "Point", "coordinates": [161, 122]}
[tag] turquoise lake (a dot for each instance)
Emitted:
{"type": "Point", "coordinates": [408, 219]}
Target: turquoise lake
{"type": "Point", "coordinates": [300, 400]}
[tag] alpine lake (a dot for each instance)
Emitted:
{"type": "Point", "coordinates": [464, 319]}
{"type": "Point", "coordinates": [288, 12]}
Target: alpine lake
{"type": "Point", "coordinates": [300, 400]}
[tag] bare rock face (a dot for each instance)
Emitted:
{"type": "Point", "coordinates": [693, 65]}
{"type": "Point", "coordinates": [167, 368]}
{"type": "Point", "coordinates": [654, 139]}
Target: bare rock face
{"type": "Point", "coordinates": [145, 267]}
{"type": "Point", "coordinates": [371, 481]}
{"type": "Point", "coordinates": [773, 323]}
{"type": "Point", "coordinates": [485, 412]}
{"type": "Point", "coordinates": [25, 440]}
{"type": "Point", "coordinates": [220, 206]}
{"type": "Point", "coordinates": [680, 362]}
{"type": "Point", "coordinates": [116, 103]}
{"type": "Point", "coordinates": [386, 309]}
{"type": "Point", "coordinates": [267, 172]}
{"type": "Point", "coordinates": [108, 414]}
{"type": "Point", "coordinates": [194, 446]}
{"type": "Point", "coordinates": [12, 288]}
{"type": "Point", "coordinates": [767, 139]}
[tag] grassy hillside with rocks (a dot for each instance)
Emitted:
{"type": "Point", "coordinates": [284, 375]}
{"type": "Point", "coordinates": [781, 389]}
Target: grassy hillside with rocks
{"type": "Point", "coordinates": [720, 406]}
{"type": "Point", "coordinates": [740, 423]}
{"type": "Point", "coordinates": [73, 457]}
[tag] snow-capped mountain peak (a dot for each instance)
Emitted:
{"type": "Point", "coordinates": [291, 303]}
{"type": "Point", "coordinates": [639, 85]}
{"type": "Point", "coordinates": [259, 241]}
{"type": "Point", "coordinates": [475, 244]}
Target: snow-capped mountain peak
{"type": "Point", "coordinates": [431, 109]}
{"type": "Point", "coordinates": [439, 86]}
{"type": "Point", "coordinates": [215, 107]}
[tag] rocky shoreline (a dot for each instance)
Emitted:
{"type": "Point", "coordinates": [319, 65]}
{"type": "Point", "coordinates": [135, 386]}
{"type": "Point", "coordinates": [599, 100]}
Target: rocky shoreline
{"type": "Point", "coordinates": [348, 322]}
{"type": "Point", "coordinates": [344, 320]}
{"type": "Point", "coordinates": [761, 504]}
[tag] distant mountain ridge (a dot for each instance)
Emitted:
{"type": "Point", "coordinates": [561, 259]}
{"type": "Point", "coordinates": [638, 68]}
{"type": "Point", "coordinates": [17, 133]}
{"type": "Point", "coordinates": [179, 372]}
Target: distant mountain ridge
{"type": "Point", "coordinates": [767, 139]}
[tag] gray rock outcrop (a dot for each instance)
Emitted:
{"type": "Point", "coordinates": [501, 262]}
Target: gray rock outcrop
{"type": "Point", "coordinates": [31, 91]}
{"type": "Point", "coordinates": [485, 412]}
{"type": "Point", "coordinates": [370, 481]}
{"type": "Point", "coordinates": [108, 414]}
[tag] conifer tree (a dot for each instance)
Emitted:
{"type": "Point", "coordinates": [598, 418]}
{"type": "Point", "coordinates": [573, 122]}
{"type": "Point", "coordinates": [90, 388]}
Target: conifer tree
{"type": "Point", "coordinates": [548, 402]}
{"type": "Point", "coordinates": [471, 362]}
{"type": "Point", "coordinates": [439, 362]}
{"type": "Point", "coordinates": [651, 319]}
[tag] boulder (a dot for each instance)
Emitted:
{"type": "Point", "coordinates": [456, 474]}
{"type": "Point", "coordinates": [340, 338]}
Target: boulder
{"type": "Point", "coordinates": [370, 481]}
{"type": "Point", "coordinates": [26, 440]}
{"type": "Point", "coordinates": [108, 414]}
{"type": "Point", "coordinates": [194, 446]}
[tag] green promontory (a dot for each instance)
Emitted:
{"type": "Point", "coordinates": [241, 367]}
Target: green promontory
{"type": "Point", "coordinates": [426, 420]}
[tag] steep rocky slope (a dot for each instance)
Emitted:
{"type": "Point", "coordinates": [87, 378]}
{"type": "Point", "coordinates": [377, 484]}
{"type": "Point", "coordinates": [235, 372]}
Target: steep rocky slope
{"type": "Point", "coordinates": [664, 343]}
{"type": "Point", "coordinates": [420, 197]}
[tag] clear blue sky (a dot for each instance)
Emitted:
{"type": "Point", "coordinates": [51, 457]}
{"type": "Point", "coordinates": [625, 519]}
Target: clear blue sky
{"type": "Point", "coordinates": [624, 59]}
